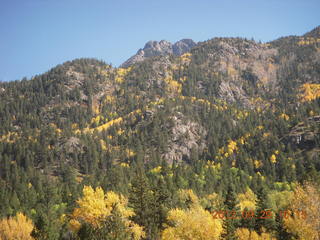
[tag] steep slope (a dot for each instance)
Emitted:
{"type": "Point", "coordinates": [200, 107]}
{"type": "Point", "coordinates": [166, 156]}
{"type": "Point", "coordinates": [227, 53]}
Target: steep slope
{"type": "Point", "coordinates": [167, 105]}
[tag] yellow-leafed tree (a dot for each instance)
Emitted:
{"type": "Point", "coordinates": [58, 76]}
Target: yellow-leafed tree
{"type": "Point", "coordinates": [247, 200]}
{"type": "Point", "coordinates": [305, 207]}
{"type": "Point", "coordinates": [16, 228]}
{"type": "Point", "coordinates": [95, 207]}
{"type": "Point", "coordinates": [193, 223]}
{"type": "Point", "coordinates": [246, 234]}
{"type": "Point", "coordinates": [309, 92]}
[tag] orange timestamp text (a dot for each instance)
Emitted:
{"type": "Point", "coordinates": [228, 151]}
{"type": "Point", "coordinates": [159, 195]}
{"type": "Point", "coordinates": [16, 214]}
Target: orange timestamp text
{"type": "Point", "coordinates": [251, 214]}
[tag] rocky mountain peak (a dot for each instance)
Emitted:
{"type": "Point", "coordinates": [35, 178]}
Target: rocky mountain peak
{"type": "Point", "coordinates": [161, 48]}
{"type": "Point", "coordinates": [183, 46]}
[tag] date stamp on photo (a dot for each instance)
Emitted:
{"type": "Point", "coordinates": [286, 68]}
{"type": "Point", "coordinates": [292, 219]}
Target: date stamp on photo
{"type": "Point", "coordinates": [251, 214]}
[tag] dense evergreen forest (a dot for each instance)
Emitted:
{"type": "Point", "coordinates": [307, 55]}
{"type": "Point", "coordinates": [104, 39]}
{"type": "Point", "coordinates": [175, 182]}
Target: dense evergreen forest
{"type": "Point", "coordinates": [221, 142]}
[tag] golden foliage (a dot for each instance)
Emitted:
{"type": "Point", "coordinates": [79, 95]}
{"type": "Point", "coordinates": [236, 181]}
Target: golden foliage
{"type": "Point", "coordinates": [103, 127]}
{"type": "Point", "coordinates": [232, 146]}
{"type": "Point", "coordinates": [284, 116]}
{"type": "Point", "coordinates": [193, 223]}
{"type": "Point", "coordinates": [305, 206]}
{"type": "Point", "coordinates": [273, 158]}
{"type": "Point", "coordinates": [308, 41]}
{"type": "Point", "coordinates": [121, 73]}
{"type": "Point", "coordinates": [309, 92]}
{"type": "Point", "coordinates": [95, 206]}
{"type": "Point", "coordinates": [109, 99]}
{"type": "Point", "coordinates": [246, 234]}
{"type": "Point", "coordinates": [247, 200]}
{"type": "Point", "coordinates": [130, 153]}
{"type": "Point", "coordinates": [103, 145]}
{"type": "Point", "coordinates": [156, 170]}
{"type": "Point", "coordinates": [125, 165]}
{"type": "Point", "coordinates": [186, 57]}
{"type": "Point", "coordinates": [257, 163]}
{"type": "Point", "coordinates": [16, 228]}
{"type": "Point", "coordinates": [187, 195]}
{"type": "Point", "coordinates": [9, 138]}
{"type": "Point", "coordinates": [172, 85]}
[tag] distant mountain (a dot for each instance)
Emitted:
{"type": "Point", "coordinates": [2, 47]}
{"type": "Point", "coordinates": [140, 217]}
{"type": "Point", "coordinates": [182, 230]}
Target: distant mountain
{"type": "Point", "coordinates": [162, 48]}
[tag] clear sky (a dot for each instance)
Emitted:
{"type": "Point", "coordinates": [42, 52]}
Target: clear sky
{"type": "Point", "coordinates": [36, 35]}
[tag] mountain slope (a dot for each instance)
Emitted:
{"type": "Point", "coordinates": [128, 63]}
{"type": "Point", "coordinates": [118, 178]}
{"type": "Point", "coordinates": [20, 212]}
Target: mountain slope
{"type": "Point", "coordinates": [223, 118]}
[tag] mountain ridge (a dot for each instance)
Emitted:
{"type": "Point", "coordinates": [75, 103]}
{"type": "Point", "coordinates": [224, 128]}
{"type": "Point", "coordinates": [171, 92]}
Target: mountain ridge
{"type": "Point", "coordinates": [161, 48]}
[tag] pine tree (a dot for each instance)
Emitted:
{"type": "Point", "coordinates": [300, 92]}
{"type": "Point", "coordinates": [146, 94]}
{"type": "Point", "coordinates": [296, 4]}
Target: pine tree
{"type": "Point", "coordinates": [230, 225]}
{"type": "Point", "coordinates": [160, 207]}
{"type": "Point", "coordinates": [264, 215]}
{"type": "Point", "coordinates": [140, 199]}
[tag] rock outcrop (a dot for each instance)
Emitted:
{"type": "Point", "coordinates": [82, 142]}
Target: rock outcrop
{"type": "Point", "coordinates": [162, 48]}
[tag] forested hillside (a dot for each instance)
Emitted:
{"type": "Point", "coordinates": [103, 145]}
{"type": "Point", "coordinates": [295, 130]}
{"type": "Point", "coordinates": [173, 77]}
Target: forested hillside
{"type": "Point", "coordinates": [221, 142]}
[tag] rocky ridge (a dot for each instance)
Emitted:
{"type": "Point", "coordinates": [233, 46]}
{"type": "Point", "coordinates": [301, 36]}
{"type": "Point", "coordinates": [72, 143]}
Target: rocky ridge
{"type": "Point", "coordinates": [162, 48]}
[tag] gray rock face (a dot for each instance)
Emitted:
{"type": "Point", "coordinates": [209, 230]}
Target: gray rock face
{"type": "Point", "coordinates": [162, 48]}
{"type": "Point", "coordinates": [186, 136]}
{"type": "Point", "coordinates": [183, 46]}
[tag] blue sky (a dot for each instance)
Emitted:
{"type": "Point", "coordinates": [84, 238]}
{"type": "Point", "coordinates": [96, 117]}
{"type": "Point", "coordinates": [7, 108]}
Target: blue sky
{"type": "Point", "coordinates": [36, 35]}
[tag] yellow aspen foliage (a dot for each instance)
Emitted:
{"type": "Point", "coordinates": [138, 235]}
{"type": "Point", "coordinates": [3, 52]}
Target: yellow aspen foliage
{"type": "Point", "coordinates": [273, 158]}
{"type": "Point", "coordinates": [95, 206]}
{"type": "Point", "coordinates": [104, 126]}
{"type": "Point", "coordinates": [126, 165]}
{"type": "Point", "coordinates": [260, 127]}
{"type": "Point", "coordinates": [121, 73]}
{"type": "Point", "coordinates": [172, 85]}
{"type": "Point", "coordinates": [91, 206]}
{"type": "Point", "coordinates": [16, 228]}
{"type": "Point", "coordinates": [221, 150]}
{"type": "Point", "coordinates": [10, 137]}
{"type": "Point", "coordinates": [192, 224]}
{"type": "Point", "coordinates": [109, 99]}
{"type": "Point", "coordinates": [120, 131]}
{"type": "Point", "coordinates": [187, 195]}
{"type": "Point", "coordinates": [186, 57]}
{"type": "Point", "coordinates": [257, 164]}
{"type": "Point", "coordinates": [103, 145]}
{"type": "Point", "coordinates": [284, 116]}
{"type": "Point", "coordinates": [247, 234]}
{"type": "Point", "coordinates": [305, 219]}
{"type": "Point", "coordinates": [232, 146]}
{"type": "Point", "coordinates": [308, 41]}
{"type": "Point", "coordinates": [309, 92]}
{"type": "Point", "coordinates": [247, 200]}
{"type": "Point", "coordinates": [266, 134]}
{"type": "Point", "coordinates": [156, 170]}
{"type": "Point", "coordinates": [130, 153]}
{"type": "Point", "coordinates": [96, 120]}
